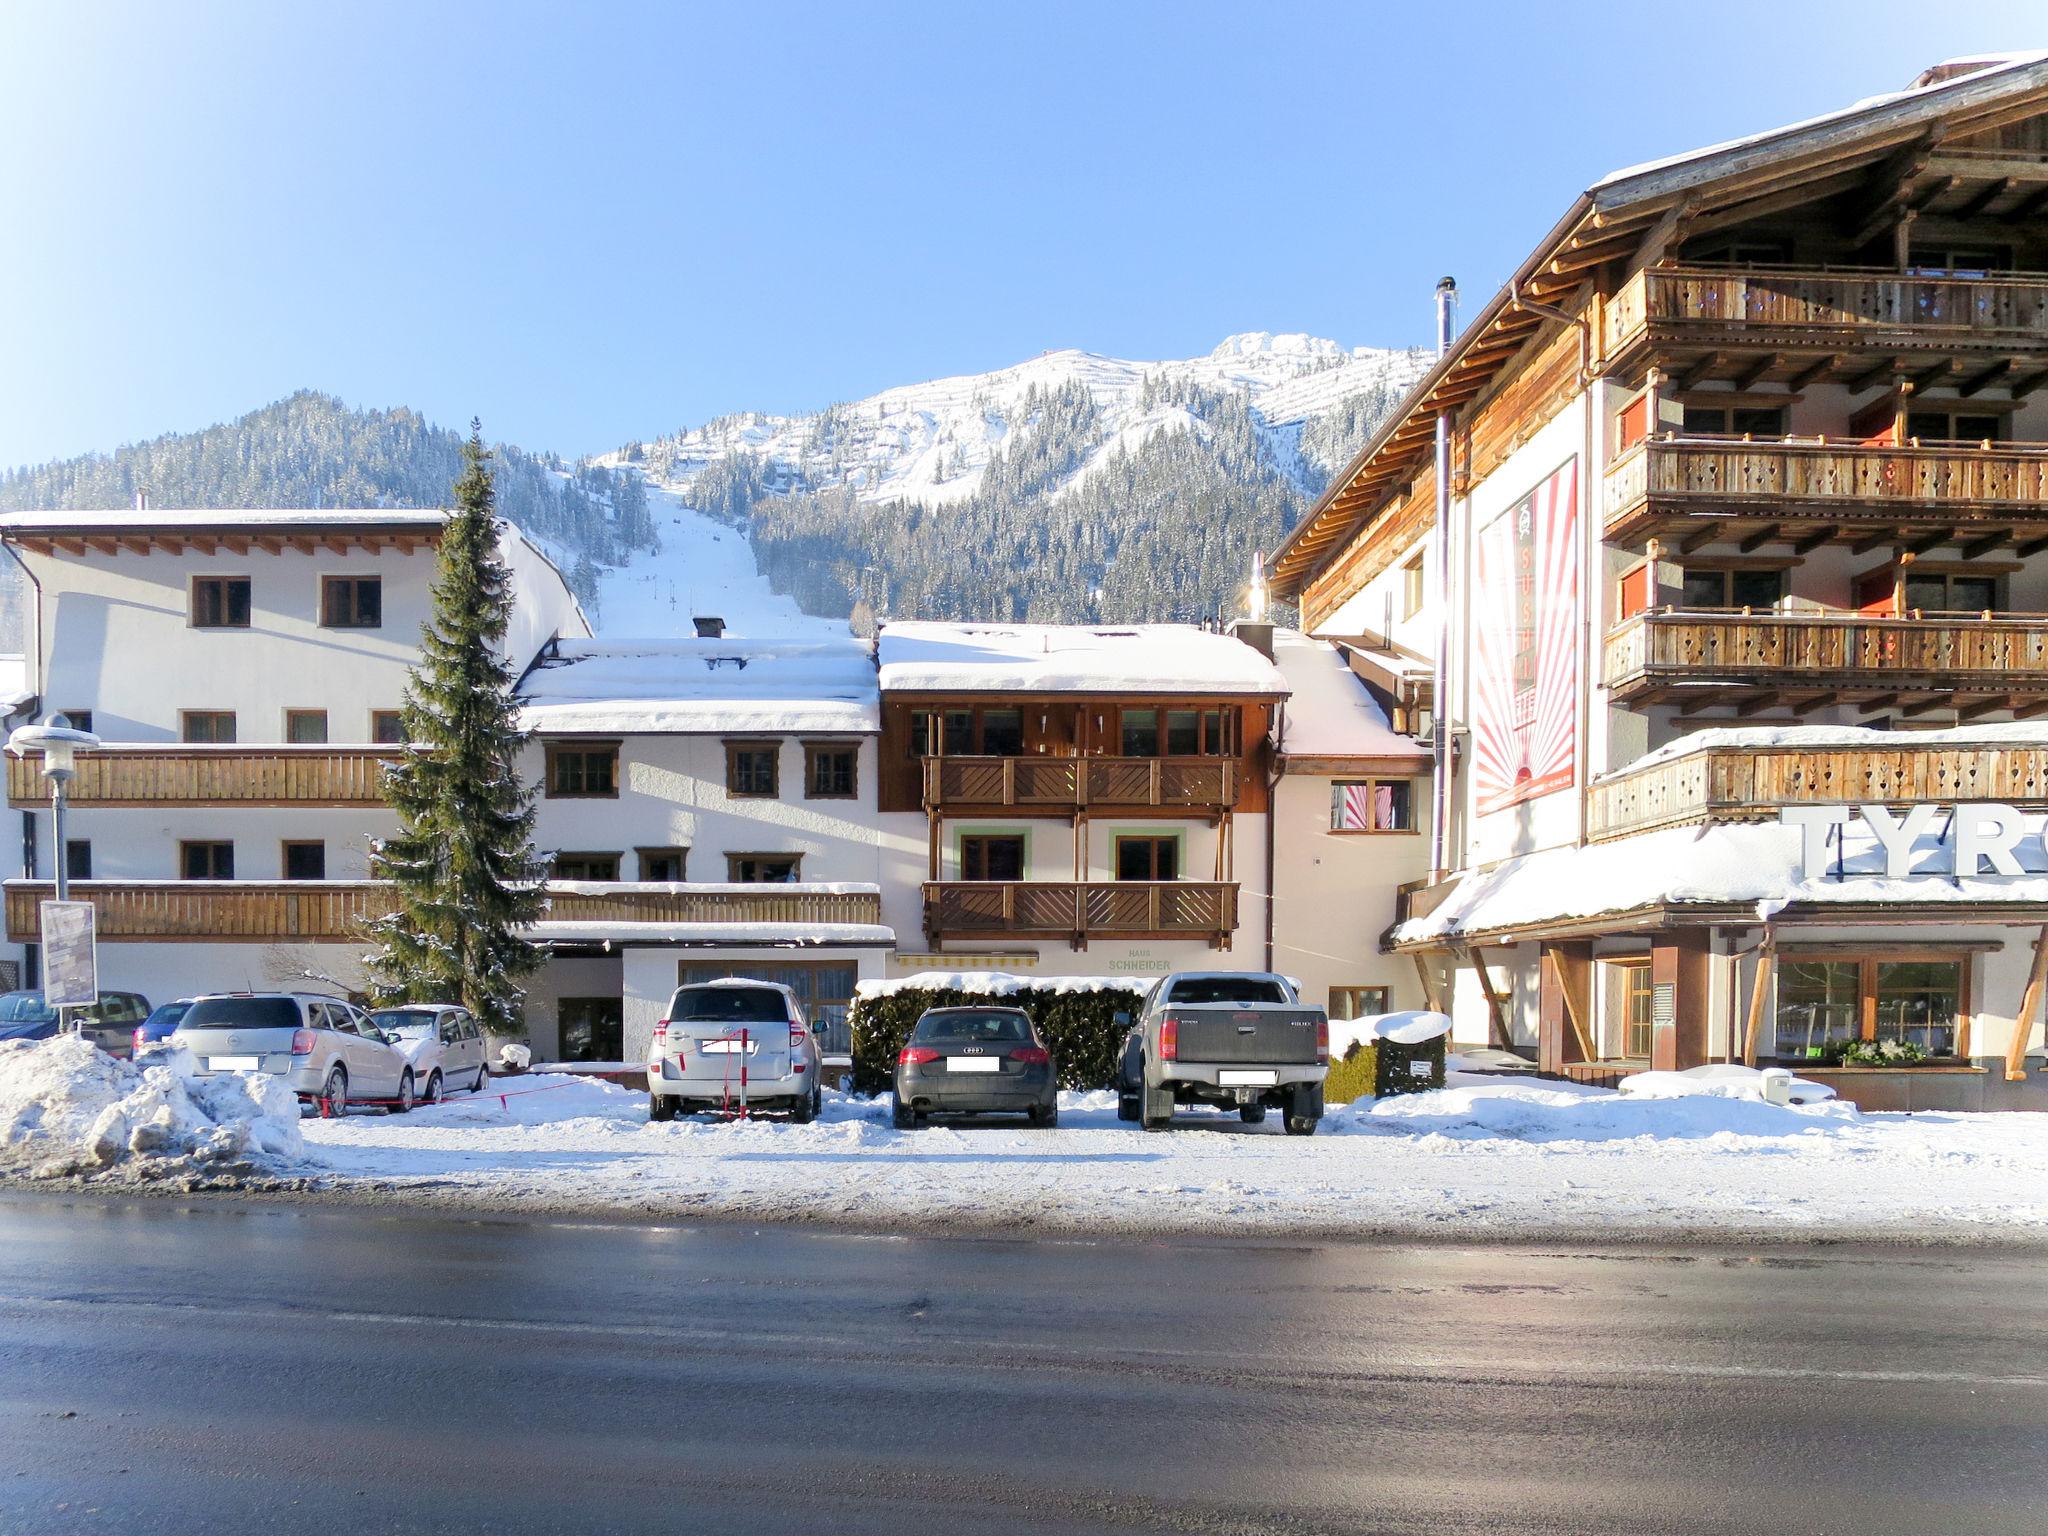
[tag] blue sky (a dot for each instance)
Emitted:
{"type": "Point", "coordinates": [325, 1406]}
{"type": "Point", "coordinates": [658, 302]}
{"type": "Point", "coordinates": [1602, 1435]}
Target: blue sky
{"type": "Point", "coordinates": [596, 222]}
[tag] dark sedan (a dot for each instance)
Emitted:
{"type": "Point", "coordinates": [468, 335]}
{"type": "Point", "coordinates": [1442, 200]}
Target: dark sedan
{"type": "Point", "coordinates": [972, 1061]}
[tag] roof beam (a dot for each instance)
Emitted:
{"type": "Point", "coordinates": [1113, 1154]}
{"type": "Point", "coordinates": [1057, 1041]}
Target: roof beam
{"type": "Point", "coordinates": [1753, 374]}
{"type": "Point", "coordinates": [1808, 543]}
{"type": "Point", "coordinates": [1816, 373]}
{"type": "Point", "coordinates": [2027, 207]}
{"type": "Point", "coordinates": [1984, 378]}
{"type": "Point", "coordinates": [1877, 538]}
{"type": "Point", "coordinates": [1770, 533]}
{"type": "Point", "coordinates": [1981, 203]}
{"type": "Point", "coordinates": [1980, 547]}
{"type": "Point", "coordinates": [1856, 383]}
{"type": "Point", "coordinates": [1701, 369]}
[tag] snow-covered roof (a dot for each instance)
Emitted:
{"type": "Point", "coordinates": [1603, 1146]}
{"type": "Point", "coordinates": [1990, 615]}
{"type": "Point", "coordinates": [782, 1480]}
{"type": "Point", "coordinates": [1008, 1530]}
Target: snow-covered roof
{"type": "Point", "coordinates": [726, 685]}
{"type": "Point", "coordinates": [217, 519]}
{"type": "Point", "coordinates": [1751, 738]}
{"type": "Point", "coordinates": [15, 693]}
{"type": "Point", "coordinates": [1756, 865]}
{"type": "Point", "coordinates": [924, 657]}
{"type": "Point", "coordinates": [716, 935]}
{"type": "Point", "coordinates": [1331, 713]}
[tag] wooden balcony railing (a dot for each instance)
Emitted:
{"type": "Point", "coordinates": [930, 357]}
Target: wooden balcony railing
{"type": "Point", "coordinates": [185, 775]}
{"type": "Point", "coordinates": [1787, 479]}
{"type": "Point", "coordinates": [1954, 654]}
{"type": "Point", "coordinates": [1844, 307]}
{"type": "Point", "coordinates": [1718, 784]}
{"type": "Point", "coordinates": [1081, 910]}
{"type": "Point", "coordinates": [1077, 783]}
{"type": "Point", "coordinates": [332, 911]}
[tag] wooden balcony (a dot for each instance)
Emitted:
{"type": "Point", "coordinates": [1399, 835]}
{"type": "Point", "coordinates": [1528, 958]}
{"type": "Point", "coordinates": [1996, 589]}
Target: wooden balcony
{"type": "Point", "coordinates": [1755, 660]}
{"type": "Point", "coordinates": [333, 911]}
{"type": "Point", "coordinates": [1078, 911]}
{"type": "Point", "coordinates": [1737, 312]}
{"type": "Point", "coordinates": [1067, 785]}
{"type": "Point", "coordinates": [186, 775]}
{"type": "Point", "coordinates": [1718, 784]}
{"type": "Point", "coordinates": [1753, 489]}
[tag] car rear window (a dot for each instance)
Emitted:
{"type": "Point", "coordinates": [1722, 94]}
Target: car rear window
{"type": "Point", "coordinates": [242, 1013]}
{"type": "Point", "coordinates": [27, 1007]}
{"type": "Point", "coordinates": [404, 1023]}
{"type": "Point", "coordinates": [728, 1005]}
{"type": "Point", "coordinates": [1227, 989]}
{"type": "Point", "coordinates": [962, 1028]}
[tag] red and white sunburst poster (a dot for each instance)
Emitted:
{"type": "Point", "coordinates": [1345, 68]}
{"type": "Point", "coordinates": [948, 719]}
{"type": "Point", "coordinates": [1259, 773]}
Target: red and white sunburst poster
{"type": "Point", "coordinates": [1525, 665]}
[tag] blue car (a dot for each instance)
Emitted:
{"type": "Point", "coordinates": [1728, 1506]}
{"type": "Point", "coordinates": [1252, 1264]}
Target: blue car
{"type": "Point", "coordinates": [158, 1027]}
{"type": "Point", "coordinates": [109, 1024]}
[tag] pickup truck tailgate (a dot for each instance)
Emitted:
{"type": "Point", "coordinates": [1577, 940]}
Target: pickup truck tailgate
{"type": "Point", "coordinates": [1220, 1032]}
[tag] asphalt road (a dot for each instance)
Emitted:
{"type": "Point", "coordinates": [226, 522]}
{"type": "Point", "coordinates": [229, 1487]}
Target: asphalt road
{"type": "Point", "coordinates": [226, 1367]}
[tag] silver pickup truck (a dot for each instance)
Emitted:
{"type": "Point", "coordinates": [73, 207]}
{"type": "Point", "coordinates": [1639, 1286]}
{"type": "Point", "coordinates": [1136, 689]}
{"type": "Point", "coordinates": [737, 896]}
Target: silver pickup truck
{"type": "Point", "coordinates": [1236, 1040]}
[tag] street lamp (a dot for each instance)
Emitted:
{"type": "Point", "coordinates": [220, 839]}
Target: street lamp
{"type": "Point", "coordinates": [60, 746]}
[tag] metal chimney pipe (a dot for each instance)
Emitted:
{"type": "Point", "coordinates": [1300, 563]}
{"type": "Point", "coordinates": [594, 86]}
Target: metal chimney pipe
{"type": "Point", "coordinates": [1439, 699]}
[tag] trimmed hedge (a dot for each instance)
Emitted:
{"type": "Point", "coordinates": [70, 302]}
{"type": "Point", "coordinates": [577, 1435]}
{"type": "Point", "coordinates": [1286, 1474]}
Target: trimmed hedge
{"type": "Point", "coordinates": [1080, 1028]}
{"type": "Point", "coordinates": [1353, 1077]}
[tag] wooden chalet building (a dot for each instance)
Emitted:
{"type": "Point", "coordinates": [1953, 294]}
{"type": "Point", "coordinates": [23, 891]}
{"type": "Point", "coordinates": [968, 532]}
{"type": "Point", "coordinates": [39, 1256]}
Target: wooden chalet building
{"type": "Point", "coordinates": [1748, 529]}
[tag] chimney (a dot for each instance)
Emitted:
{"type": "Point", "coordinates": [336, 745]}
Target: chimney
{"type": "Point", "coordinates": [142, 501]}
{"type": "Point", "coordinates": [1255, 633]}
{"type": "Point", "coordinates": [709, 626]}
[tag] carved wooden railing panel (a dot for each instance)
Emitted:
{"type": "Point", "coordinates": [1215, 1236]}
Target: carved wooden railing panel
{"type": "Point", "coordinates": [1987, 654]}
{"type": "Point", "coordinates": [1080, 909]}
{"type": "Point", "coordinates": [182, 775]}
{"type": "Point", "coordinates": [1073, 783]}
{"type": "Point", "coordinates": [1727, 473]}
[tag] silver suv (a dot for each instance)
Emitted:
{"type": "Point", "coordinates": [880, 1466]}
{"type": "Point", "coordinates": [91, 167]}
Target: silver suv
{"type": "Point", "coordinates": [325, 1047]}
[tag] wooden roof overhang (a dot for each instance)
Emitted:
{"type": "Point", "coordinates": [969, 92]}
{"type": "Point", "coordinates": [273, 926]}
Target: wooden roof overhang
{"type": "Point", "coordinates": [1684, 526]}
{"type": "Point", "coordinates": [1667, 916]}
{"type": "Point", "coordinates": [1196, 693]}
{"type": "Point", "coordinates": [214, 539]}
{"type": "Point", "coordinates": [1635, 217]}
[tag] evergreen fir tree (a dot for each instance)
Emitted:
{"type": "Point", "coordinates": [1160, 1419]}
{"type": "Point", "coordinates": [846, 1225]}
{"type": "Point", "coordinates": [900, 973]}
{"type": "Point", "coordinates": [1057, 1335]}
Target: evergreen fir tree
{"type": "Point", "coordinates": [462, 861]}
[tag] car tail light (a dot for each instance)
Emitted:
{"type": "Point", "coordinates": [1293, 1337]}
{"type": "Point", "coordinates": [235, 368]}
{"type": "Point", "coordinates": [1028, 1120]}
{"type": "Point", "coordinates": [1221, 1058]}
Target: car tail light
{"type": "Point", "coordinates": [1323, 1042]}
{"type": "Point", "coordinates": [135, 1041]}
{"type": "Point", "coordinates": [1169, 1038]}
{"type": "Point", "coordinates": [1031, 1055]}
{"type": "Point", "coordinates": [796, 1034]}
{"type": "Point", "coordinates": [916, 1055]}
{"type": "Point", "coordinates": [660, 1034]}
{"type": "Point", "coordinates": [302, 1042]}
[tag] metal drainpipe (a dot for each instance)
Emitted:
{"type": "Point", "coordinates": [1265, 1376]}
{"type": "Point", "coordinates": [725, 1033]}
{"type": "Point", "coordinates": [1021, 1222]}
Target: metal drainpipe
{"type": "Point", "coordinates": [1272, 820]}
{"type": "Point", "coordinates": [1440, 732]}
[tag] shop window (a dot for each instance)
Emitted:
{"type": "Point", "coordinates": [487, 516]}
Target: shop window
{"type": "Point", "coordinates": [1825, 1003]}
{"type": "Point", "coordinates": [664, 865]}
{"type": "Point", "coordinates": [1714, 587]}
{"type": "Point", "coordinates": [215, 727]}
{"type": "Point", "coordinates": [1147, 857]}
{"type": "Point", "coordinates": [1358, 1002]}
{"type": "Point", "coordinates": [992, 856]}
{"type": "Point", "coordinates": [764, 868]}
{"type": "Point", "coordinates": [387, 727]}
{"type": "Point", "coordinates": [752, 769]}
{"type": "Point", "coordinates": [206, 860]}
{"type": "Point", "coordinates": [591, 1028]}
{"type": "Point", "coordinates": [1372, 805]}
{"type": "Point", "coordinates": [583, 770]}
{"type": "Point", "coordinates": [220, 602]}
{"type": "Point", "coordinates": [830, 771]}
{"type": "Point", "coordinates": [352, 602]}
{"type": "Point", "coordinates": [305, 727]}
{"type": "Point", "coordinates": [1734, 420]}
{"type": "Point", "coordinates": [305, 861]}
{"type": "Point", "coordinates": [586, 866]}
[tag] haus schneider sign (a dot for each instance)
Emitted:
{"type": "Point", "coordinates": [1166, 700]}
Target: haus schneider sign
{"type": "Point", "coordinates": [1965, 841]}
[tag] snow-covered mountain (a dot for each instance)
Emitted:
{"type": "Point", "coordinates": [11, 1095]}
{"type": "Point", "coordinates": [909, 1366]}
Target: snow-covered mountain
{"type": "Point", "coordinates": [932, 443]}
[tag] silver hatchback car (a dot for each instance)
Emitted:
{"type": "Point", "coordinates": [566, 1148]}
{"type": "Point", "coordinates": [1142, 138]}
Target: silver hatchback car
{"type": "Point", "coordinates": [325, 1047]}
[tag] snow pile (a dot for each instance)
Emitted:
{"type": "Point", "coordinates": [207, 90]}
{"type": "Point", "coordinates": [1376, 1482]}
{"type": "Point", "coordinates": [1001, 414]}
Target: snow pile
{"type": "Point", "coordinates": [727, 684]}
{"type": "Point", "coordinates": [1556, 1112]}
{"type": "Point", "coordinates": [1000, 984]}
{"type": "Point", "coordinates": [1728, 1080]}
{"type": "Point", "coordinates": [925, 656]}
{"type": "Point", "coordinates": [66, 1107]}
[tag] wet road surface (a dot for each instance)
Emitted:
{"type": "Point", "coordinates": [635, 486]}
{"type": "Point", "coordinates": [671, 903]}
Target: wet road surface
{"type": "Point", "coordinates": [178, 1367]}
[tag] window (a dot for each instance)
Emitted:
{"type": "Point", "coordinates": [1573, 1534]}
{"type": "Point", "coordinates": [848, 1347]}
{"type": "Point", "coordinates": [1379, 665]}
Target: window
{"type": "Point", "coordinates": [1938, 426]}
{"type": "Point", "coordinates": [663, 864]}
{"type": "Point", "coordinates": [305, 727]}
{"type": "Point", "coordinates": [992, 856]}
{"type": "Point", "coordinates": [1140, 732]}
{"type": "Point", "coordinates": [1183, 732]}
{"type": "Point", "coordinates": [208, 725]}
{"type": "Point", "coordinates": [1636, 997]}
{"type": "Point", "coordinates": [1949, 592]}
{"type": "Point", "coordinates": [592, 1028]}
{"type": "Point", "coordinates": [77, 859]}
{"type": "Point", "coordinates": [1358, 1002]}
{"type": "Point", "coordinates": [220, 602]}
{"type": "Point", "coordinates": [586, 866]}
{"type": "Point", "coordinates": [751, 769]}
{"type": "Point", "coordinates": [387, 727]}
{"type": "Point", "coordinates": [206, 861]}
{"type": "Point", "coordinates": [583, 770]}
{"type": "Point", "coordinates": [763, 868]}
{"type": "Point", "coordinates": [1721, 587]}
{"type": "Point", "coordinates": [1823, 1003]}
{"type": "Point", "coordinates": [829, 771]}
{"type": "Point", "coordinates": [1147, 858]}
{"type": "Point", "coordinates": [824, 989]}
{"type": "Point", "coordinates": [1632, 423]}
{"type": "Point", "coordinates": [305, 861]}
{"type": "Point", "coordinates": [995, 732]}
{"type": "Point", "coordinates": [1002, 733]}
{"type": "Point", "coordinates": [1411, 588]}
{"type": "Point", "coordinates": [352, 602]}
{"type": "Point", "coordinates": [1372, 805]}
{"type": "Point", "coordinates": [77, 719]}
{"type": "Point", "coordinates": [1956, 261]}
{"type": "Point", "coordinates": [1734, 420]}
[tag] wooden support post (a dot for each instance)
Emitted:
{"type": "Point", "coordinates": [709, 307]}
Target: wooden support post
{"type": "Point", "coordinates": [1564, 996]}
{"type": "Point", "coordinates": [2030, 1004]}
{"type": "Point", "coordinates": [1759, 990]}
{"type": "Point", "coordinates": [1679, 985]}
{"type": "Point", "coordinates": [1430, 999]}
{"type": "Point", "coordinates": [1495, 1011]}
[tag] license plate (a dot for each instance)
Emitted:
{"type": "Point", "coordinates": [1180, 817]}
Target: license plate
{"type": "Point", "coordinates": [1247, 1079]}
{"type": "Point", "coordinates": [727, 1047]}
{"type": "Point", "coordinates": [234, 1063]}
{"type": "Point", "coordinates": [973, 1064]}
